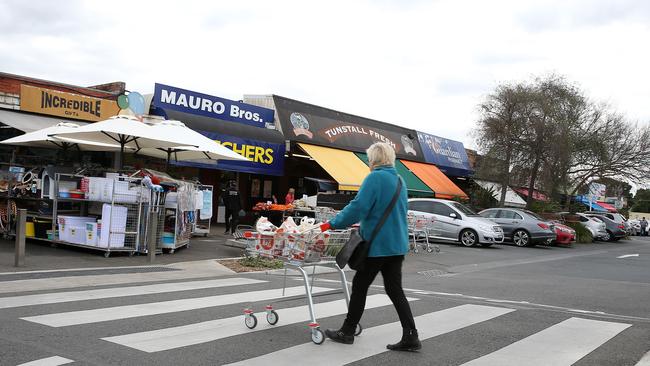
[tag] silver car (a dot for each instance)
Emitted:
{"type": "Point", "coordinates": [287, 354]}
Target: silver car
{"type": "Point", "coordinates": [523, 227]}
{"type": "Point", "coordinates": [456, 222]}
{"type": "Point", "coordinates": [596, 227]}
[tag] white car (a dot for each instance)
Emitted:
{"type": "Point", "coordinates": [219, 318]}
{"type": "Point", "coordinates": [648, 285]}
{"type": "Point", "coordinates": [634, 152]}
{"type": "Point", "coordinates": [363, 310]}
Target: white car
{"type": "Point", "coordinates": [453, 221]}
{"type": "Point", "coordinates": [596, 227]}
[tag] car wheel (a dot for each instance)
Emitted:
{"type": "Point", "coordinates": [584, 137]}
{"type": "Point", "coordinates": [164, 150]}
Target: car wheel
{"type": "Point", "coordinates": [521, 238]}
{"type": "Point", "coordinates": [607, 236]}
{"type": "Point", "coordinates": [468, 238]}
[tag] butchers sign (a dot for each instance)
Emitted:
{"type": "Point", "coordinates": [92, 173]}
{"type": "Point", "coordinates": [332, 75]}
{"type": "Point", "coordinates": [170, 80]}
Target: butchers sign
{"type": "Point", "coordinates": [62, 104]}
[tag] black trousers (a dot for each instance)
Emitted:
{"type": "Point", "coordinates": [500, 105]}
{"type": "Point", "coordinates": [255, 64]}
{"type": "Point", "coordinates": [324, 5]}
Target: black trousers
{"type": "Point", "coordinates": [231, 224]}
{"type": "Point", "coordinates": [391, 271]}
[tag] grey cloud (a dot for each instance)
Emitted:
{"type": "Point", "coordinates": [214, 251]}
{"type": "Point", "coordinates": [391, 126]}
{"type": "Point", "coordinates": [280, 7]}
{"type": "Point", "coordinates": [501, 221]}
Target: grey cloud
{"type": "Point", "coordinates": [41, 17]}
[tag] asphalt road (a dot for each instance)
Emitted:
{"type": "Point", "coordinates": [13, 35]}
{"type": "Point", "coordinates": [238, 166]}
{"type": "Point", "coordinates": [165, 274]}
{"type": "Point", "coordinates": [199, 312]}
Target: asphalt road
{"type": "Point", "coordinates": [478, 306]}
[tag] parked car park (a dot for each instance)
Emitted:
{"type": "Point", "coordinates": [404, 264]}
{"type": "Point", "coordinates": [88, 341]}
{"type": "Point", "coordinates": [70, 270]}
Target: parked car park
{"type": "Point", "coordinates": [453, 221]}
{"type": "Point", "coordinates": [596, 227]}
{"type": "Point", "coordinates": [616, 217]}
{"type": "Point", "coordinates": [564, 234]}
{"type": "Point", "coordinates": [522, 227]}
{"type": "Point", "coordinates": [614, 231]}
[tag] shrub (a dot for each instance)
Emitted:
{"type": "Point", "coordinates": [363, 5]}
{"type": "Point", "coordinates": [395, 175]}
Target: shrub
{"type": "Point", "coordinates": [583, 235]}
{"type": "Point", "coordinates": [260, 262]}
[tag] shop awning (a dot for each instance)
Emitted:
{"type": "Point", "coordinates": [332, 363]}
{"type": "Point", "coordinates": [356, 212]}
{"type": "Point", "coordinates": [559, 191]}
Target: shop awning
{"type": "Point", "coordinates": [435, 179]}
{"type": "Point", "coordinates": [594, 206]}
{"type": "Point", "coordinates": [416, 187]}
{"type": "Point", "coordinates": [607, 206]}
{"type": "Point", "coordinates": [342, 165]}
{"type": "Point", "coordinates": [512, 198]}
{"type": "Point", "coordinates": [31, 122]}
{"type": "Point", "coordinates": [537, 195]}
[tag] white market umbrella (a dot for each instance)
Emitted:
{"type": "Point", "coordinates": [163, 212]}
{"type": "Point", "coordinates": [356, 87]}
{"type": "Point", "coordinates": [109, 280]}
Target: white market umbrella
{"type": "Point", "coordinates": [43, 138]}
{"type": "Point", "coordinates": [205, 151]}
{"type": "Point", "coordinates": [129, 133]}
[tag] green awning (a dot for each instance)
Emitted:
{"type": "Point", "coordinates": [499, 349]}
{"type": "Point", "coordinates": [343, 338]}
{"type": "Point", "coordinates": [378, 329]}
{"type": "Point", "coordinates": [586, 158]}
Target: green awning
{"type": "Point", "coordinates": [416, 187]}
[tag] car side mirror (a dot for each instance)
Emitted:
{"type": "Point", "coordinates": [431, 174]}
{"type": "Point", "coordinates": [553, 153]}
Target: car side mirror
{"type": "Point", "coordinates": [453, 215]}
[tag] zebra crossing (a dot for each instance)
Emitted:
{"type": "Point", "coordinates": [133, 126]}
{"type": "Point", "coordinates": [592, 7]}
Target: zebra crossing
{"type": "Point", "coordinates": [562, 343]}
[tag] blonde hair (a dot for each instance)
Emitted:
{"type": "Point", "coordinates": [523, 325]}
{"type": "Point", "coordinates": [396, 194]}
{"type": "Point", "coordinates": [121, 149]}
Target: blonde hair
{"type": "Point", "coordinates": [380, 154]}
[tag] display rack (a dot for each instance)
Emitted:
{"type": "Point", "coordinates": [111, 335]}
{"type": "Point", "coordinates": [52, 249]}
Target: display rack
{"type": "Point", "coordinates": [203, 219]}
{"type": "Point", "coordinates": [180, 214]}
{"type": "Point", "coordinates": [120, 199]}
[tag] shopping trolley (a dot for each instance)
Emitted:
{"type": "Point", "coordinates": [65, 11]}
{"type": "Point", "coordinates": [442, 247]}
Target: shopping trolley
{"type": "Point", "coordinates": [420, 227]}
{"type": "Point", "coordinates": [299, 251]}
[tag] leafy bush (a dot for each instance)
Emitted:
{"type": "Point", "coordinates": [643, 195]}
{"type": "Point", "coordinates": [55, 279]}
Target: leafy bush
{"type": "Point", "coordinates": [583, 235]}
{"type": "Point", "coordinates": [260, 262]}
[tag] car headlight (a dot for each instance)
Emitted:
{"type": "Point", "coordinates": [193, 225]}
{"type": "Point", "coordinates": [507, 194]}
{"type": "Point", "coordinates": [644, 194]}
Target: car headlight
{"type": "Point", "coordinates": [487, 228]}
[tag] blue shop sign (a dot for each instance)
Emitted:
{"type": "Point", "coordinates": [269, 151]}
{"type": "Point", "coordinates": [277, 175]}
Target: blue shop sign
{"type": "Point", "coordinates": [448, 155]}
{"type": "Point", "coordinates": [187, 101]}
{"type": "Point", "coordinates": [265, 157]}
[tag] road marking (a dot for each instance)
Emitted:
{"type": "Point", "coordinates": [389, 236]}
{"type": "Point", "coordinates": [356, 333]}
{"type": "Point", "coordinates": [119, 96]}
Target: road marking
{"type": "Point", "coordinates": [191, 334]}
{"type": "Point", "coordinates": [50, 361]}
{"type": "Point", "coordinates": [163, 307]}
{"type": "Point", "coordinates": [59, 297]}
{"type": "Point", "coordinates": [373, 340]}
{"type": "Point", "coordinates": [644, 361]}
{"type": "Point", "coordinates": [628, 256]}
{"type": "Point", "coordinates": [562, 344]}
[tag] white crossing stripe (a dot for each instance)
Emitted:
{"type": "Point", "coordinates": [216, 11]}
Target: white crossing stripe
{"type": "Point", "coordinates": [50, 361]}
{"type": "Point", "coordinates": [163, 307]}
{"type": "Point", "coordinates": [106, 293]}
{"type": "Point", "coordinates": [373, 340]}
{"type": "Point", "coordinates": [191, 334]}
{"type": "Point", "coordinates": [562, 344]}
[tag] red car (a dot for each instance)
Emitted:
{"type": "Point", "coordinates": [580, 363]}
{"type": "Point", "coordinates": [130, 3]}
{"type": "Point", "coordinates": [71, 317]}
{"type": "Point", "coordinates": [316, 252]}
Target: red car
{"type": "Point", "coordinates": [565, 234]}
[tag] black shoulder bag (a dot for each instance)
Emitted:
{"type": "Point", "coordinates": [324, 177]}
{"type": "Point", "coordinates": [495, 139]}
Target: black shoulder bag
{"type": "Point", "coordinates": [355, 251]}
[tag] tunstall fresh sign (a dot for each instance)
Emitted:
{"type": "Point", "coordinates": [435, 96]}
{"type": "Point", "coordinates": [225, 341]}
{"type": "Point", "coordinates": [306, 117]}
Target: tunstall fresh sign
{"type": "Point", "coordinates": [62, 104]}
{"type": "Point", "coordinates": [182, 100]}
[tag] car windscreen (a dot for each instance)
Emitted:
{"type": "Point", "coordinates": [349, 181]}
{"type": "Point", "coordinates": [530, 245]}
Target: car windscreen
{"type": "Point", "coordinates": [464, 209]}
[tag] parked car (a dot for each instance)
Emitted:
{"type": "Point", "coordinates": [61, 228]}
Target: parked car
{"type": "Point", "coordinates": [456, 222]}
{"type": "Point", "coordinates": [522, 227]}
{"type": "Point", "coordinates": [616, 217]}
{"type": "Point", "coordinates": [596, 227]}
{"type": "Point", "coordinates": [564, 234]}
{"type": "Point", "coordinates": [615, 231]}
{"type": "Point", "coordinates": [635, 225]}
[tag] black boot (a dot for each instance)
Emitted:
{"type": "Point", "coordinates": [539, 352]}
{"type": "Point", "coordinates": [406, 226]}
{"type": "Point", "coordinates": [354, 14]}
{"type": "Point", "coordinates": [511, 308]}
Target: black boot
{"type": "Point", "coordinates": [410, 342]}
{"type": "Point", "coordinates": [344, 335]}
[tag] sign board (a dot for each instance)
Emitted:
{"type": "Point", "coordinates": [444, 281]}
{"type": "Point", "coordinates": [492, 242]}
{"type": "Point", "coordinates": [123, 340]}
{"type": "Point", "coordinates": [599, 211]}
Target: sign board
{"type": "Point", "coordinates": [187, 101]}
{"type": "Point", "coordinates": [264, 157]}
{"type": "Point", "coordinates": [448, 155]}
{"type": "Point", "coordinates": [68, 105]}
{"type": "Point", "coordinates": [321, 126]}
{"type": "Point", "coordinates": [597, 191]}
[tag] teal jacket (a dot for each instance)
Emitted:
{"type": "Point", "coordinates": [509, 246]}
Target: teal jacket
{"type": "Point", "coordinates": [369, 205]}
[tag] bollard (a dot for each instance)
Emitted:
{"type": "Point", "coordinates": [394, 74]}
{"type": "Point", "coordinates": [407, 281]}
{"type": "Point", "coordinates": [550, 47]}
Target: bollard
{"type": "Point", "coordinates": [152, 235]}
{"type": "Point", "coordinates": [20, 238]}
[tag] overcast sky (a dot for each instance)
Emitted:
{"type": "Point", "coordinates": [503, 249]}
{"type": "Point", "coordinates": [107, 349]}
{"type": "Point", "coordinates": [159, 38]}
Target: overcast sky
{"type": "Point", "coordinates": [419, 64]}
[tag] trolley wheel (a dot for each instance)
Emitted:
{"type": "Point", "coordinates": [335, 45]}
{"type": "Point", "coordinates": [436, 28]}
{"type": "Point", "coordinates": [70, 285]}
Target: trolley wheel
{"type": "Point", "coordinates": [272, 317]}
{"type": "Point", "coordinates": [107, 254]}
{"type": "Point", "coordinates": [358, 330]}
{"type": "Point", "coordinates": [415, 249]}
{"type": "Point", "coordinates": [171, 251]}
{"type": "Point", "coordinates": [250, 321]}
{"type": "Point", "coordinates": [437, 249]}
{"type": "Point", "coordinates": [131, 254]}
{"type": "Point", "coordinates": [429, 249]}
{"type": "Point", "coordinates": [317, 336]}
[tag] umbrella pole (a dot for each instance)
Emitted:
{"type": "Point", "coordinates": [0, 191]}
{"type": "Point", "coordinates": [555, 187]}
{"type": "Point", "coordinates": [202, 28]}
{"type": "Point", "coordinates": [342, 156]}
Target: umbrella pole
{"type": "Point", "coordinates": [121, 155]}
{"type": "Point", "coordinates": [169, 155]}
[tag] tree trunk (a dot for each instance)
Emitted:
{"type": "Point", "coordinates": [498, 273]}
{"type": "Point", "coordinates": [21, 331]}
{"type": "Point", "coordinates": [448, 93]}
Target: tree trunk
{"type": "Point", "coordinates": [531, 183]}
{"type": "Point", "coordinates": [505, 179]}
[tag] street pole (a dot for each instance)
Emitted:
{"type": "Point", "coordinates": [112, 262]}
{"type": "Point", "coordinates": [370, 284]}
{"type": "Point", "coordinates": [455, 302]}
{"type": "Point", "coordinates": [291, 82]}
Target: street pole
{"type": "Point", "coordinates": [20, 238]}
